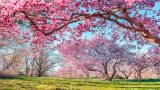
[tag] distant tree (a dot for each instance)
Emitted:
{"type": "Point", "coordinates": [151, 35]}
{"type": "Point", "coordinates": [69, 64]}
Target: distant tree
{"type": "Point", "coordinates": [125, 69]}
{"type": "Point", "coordinates": [109, 54]}
{"type": "Point", "coordinates": [9, 63]}
{"type": "Point", "coordinates": [42, 62]}
{"type": "Point", "coordinates": [27, 65]}
{"type": "Point", "coordinates": [11, 53]}
{"type": "Point", "coordinates": [75, 58]}
{"type": "Point", "coordinates": [140, 64]}
{"type": "Point", "coordinates": [154, 57]}
{"type": "Point", "coordinates": [97, 54]}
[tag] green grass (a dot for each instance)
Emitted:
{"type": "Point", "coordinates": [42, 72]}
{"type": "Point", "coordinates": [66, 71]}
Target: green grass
{"type": "Point", "coordinates": [46, 83]}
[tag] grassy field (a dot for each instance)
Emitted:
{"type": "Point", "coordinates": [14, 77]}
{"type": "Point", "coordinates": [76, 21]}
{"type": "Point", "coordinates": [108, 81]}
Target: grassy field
{"type": "Point", "coordinates": [30, 83]}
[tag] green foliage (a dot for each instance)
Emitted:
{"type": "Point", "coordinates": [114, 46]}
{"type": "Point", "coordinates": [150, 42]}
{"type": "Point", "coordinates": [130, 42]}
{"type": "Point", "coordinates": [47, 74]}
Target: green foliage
{"type": "Point", "coordinates": [46, 83]}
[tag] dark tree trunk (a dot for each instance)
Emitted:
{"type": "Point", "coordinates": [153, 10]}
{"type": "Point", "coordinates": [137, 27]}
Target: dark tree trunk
{"type": "Point", "coordinates": [27, 71]}
{"type": "Point", "coordinates": [113, 74]}
{"type": "Point", "coordinates": [140, 75]}
{"type": "Point", "coordinates": [87, 75]}
{"type": "Point", "coordinates": [105, 66]}
{"type": "Point", "coordinates": [127, 75]}
{"type": "Point", "coordinates": [39, 75]}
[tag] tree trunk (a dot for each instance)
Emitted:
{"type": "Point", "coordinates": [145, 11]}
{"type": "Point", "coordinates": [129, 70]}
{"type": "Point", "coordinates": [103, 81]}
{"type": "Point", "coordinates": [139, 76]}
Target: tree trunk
{"type": "Point", "coordinates": [127, 75]}
{"type": "Point", "coordinates": [87, 75]}
{"type": "Point", "coordinates": [140, 74]}
{"type": "Point", "coordinates": [113, 74]}
{"type": "Point", "coordinates": [105, 66]}
{"type": "Point", "coordinates": [27, 71]}
{"type": "Point", "coordinates": [39, 75]}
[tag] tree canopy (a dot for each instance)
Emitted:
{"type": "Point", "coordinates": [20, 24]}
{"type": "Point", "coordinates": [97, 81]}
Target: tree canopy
{"type": "Point", "coordinates": [137, 19]}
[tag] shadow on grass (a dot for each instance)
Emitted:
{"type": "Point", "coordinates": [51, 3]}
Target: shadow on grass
{"type": "Point", "coordinates": [13, 78]}
{"type": "Point", "coordinates": [144, 80]}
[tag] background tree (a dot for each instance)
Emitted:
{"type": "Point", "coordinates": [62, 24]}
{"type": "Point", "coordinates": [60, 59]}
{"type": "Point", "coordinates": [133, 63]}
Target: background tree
{"type": "Point", "coordinates": [125, 69]}
{"type": "Point", "coordinates": [42, 62]}
{"type": "Point", "coordinates": [75, 57]}
{"type": "Point", "coordinates": [154, 57]}
{"type": "Point", "coordinates": [11, 54]}
{"type": "Point", "coordinates": [109, 54]}
{"type": "Point", "coordinates": [10, 63]}
{"type": "Point", "coordinates": [140, 64]}
{"type": "Point", "coordinates": [97, 54]}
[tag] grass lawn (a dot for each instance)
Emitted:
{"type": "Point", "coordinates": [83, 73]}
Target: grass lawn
{"type": "Point", "coordinates": [46, 83]}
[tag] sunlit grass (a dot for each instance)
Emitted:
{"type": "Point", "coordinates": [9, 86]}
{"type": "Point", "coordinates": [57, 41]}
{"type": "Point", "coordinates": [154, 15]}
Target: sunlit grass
{"type": "Point", "coordinates": [46, 83]}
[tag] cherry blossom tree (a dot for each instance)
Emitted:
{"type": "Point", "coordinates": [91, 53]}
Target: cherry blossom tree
{"type": "Point", "coordinates": [140, 64]}
{"type": "Point", "coordinates": [154, 57]}
{"type": "Point", "coordinates": [75, 58]}
{"type": "Point", "coordinates": [109, 54]}
{"type": "Point", "coordinates": [11, 53]}
{"type": "Point", "coordinates": [125, 69]}
{"type": "Point", "coordinates": [98, 54]}
{"type": "Point", "coordinates": [45, 17]}
{"type": "Point", "coordinates": [10, 62]}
